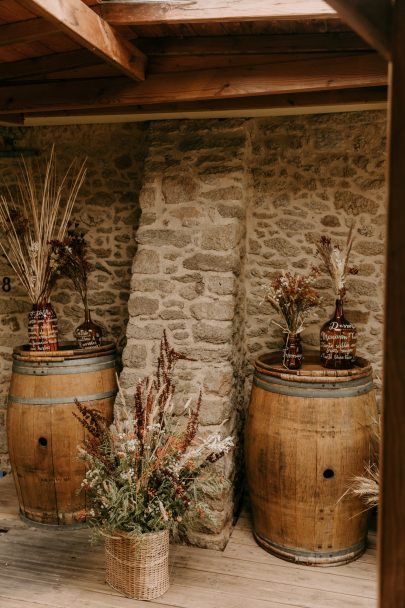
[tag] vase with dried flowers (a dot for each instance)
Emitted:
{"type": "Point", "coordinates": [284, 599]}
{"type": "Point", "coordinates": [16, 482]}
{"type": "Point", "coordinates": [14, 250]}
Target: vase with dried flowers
{"type": "Point", "coordinates": [72, 257]}
{"type": "Point", "coordinates": [338, 337]}
{"type": "Point", "coordinates": [146, 476]}
{"type": "Point", "coordinates": [293, 297]}
{"type": "Point", "coordinates": [33, 213]}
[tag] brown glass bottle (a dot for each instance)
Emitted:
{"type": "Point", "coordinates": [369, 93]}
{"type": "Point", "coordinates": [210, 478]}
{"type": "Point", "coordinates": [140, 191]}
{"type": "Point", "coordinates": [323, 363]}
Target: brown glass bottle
{"type": "Point", "coordinates": [293, 351]}
{"type": "Point", "coordinates": [88, 334]}
{"type": "Point", "coordinates": [338, 341]}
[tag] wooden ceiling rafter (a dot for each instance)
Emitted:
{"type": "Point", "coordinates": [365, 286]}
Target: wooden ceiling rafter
{"type": "Point", "coordinates": [205, 11]}
{"type": "Point", "coordinates": [371, 19]}
{"type": "Point", "coordinates": [80, 22]}
{"type": "Point", "coordinates": [293, 75]}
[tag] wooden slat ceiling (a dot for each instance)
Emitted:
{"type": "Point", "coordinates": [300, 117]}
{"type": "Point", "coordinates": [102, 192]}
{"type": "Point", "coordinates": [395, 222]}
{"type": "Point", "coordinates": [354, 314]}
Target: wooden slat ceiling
{"type": "Point", "coordinates": [200, 55]}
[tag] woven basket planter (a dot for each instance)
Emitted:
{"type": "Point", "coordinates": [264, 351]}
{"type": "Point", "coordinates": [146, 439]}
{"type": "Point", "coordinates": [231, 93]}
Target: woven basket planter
{"type": "Point", "coordinates": [138, 565]}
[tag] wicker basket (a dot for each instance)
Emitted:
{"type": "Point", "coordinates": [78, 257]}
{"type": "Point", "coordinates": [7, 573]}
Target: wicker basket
{"type": "Point", "coordinates": [138, 565]}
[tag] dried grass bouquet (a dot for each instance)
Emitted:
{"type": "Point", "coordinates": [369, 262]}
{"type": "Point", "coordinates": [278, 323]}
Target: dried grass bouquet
{"type": "Point", "coordinates": [32, 214]}
{"type": "Point", "coordinates": [147, 471]}
{"type": "Point", "coordinates": [336, 261]}
{"type": "Point", "coordinates": [293, 297]}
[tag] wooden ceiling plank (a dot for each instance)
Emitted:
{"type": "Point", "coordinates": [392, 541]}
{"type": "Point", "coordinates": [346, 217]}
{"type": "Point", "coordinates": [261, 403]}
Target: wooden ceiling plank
{"type": "Point", "coordinates": [84, 26]}
{"type": "Point", "coordinates": [26, 31]}
{"type": "Point", "coordinates": [205, 11]}
{"type": "Point", "coordinates": [294, 75]}
{"type": "Point", "coordinates": [371, 19]}
{"type": "Point", "coordinates": [53, 63]}
{"type": "Point", "coordinates": [277, 43]}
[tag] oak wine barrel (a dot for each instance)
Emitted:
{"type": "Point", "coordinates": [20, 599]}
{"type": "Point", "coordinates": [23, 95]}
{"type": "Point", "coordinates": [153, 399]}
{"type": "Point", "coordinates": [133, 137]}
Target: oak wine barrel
{"type": "Point", "coordinates": [42, 433]}
{"type": "Point", "coordinates": [309, 432]}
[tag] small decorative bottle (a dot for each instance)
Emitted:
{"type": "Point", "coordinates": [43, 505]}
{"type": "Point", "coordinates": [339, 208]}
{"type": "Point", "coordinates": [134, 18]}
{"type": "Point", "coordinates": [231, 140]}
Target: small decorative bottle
{"type": "Point", "coordinates": [338, 341]}
{"type": "Point", "coordinates": [292, 351]}
{"type": "Point", "coordinates": [88, 334]}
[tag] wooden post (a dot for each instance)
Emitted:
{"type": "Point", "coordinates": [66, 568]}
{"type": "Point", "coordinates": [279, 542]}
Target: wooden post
{"type": "Point", "coordinates": [392, 507]}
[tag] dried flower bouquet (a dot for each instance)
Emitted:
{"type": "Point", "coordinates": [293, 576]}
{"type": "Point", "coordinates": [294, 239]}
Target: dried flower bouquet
{"type": "Point", "coordinates": [293, 297]}
{"type": "Point", "coordinates": [336, 261]}
{"type": "Point", "coordinates": [147, 471]}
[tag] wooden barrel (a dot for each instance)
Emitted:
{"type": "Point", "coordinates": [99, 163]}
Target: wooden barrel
{"type": "Point", "coordinates": [43, 435]}
{"type": "Point", "coordinates": [309, 432]}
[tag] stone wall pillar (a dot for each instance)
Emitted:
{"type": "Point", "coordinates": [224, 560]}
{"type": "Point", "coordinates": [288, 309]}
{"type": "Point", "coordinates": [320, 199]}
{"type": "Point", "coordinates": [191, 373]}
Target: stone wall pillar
{"type": "Point", "coordinates": [186, 279]}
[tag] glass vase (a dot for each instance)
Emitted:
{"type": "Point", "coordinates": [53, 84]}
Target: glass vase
{"type": "Point", "coordinates": [292, 351]}
{"type": "Point", "coordinates": [88, 334]}
{"type": "Point", "coordinates": [338, 341]}
{"type": "Point", "coordinates": [43, 328]}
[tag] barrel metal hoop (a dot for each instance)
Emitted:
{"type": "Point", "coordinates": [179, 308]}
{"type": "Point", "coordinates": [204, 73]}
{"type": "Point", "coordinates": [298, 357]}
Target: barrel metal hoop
{"type": "Point", "coordinates": [84, 363]}
{"type": "Point", "coordinates": [61, 400]}
{"type": "Point", "coordinates": [313, 391]}
{"type": "Point", "coordinates": [301, 555]}
{"type": "Point", "coordinates": [44, 370]}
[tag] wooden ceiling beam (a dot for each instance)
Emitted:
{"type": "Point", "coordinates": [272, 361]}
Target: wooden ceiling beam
{"type": "Point", "coordinates": [82, 24]}
{"type": "Point", "coordinates": [318, 72]}
{"type": "Point", "coordinates": [371, 19]}
{"type": "Point", "coordinates": [373, 95]}
{"type": "Point", "coordinates": [204, 11]}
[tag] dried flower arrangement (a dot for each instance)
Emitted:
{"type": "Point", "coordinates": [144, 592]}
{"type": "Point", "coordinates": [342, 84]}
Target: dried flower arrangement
{"type": "Point", "coordinates": [71, 257]}
{"type": "Point", "coordinates": [336, 261]}
{"type": "Point", "coordinates": [147, 472]}
{"type": "Point", "coordinates": [32, 217]}
{"type": "Point", "coordinates": [293, 297]}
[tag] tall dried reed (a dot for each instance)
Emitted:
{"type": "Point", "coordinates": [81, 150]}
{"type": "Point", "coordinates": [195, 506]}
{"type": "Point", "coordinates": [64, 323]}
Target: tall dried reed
{"type": "Point", "coordinates": [32, 214]}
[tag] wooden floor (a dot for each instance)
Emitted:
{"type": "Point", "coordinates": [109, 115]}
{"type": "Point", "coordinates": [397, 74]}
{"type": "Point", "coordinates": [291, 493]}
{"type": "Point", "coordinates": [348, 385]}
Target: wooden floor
{"type": "Point", "coordinates": [59, 569]}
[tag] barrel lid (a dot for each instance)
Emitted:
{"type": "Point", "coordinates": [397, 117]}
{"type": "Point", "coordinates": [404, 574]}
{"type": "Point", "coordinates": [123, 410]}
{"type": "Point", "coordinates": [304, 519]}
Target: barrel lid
{"type": "Point", "coordinates": [67, 350]}
{"type": "Point", "coordinates": [311, 371]}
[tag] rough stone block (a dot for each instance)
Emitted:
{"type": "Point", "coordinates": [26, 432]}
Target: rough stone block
{"type": "Point", "coordinates": [181, 188]}
{"type": "Point", "coordinates": [217, 263]}
{"type": "Point", "coordinates": [151, 331]}
{"type": "Point", "coordinates": [140, 305]}
{"type": "Point", "coordinates": [222, 310]}
{"type": "Point", "coordinates": [174, 238]}
{"type": "Point", "coordinates": [221, 285]}
{"type": "Point", "coordinates": [215, 333]}
{"type": "Point", "coordinates": [134, 355]}
{"type": "Point", "coordinates": [219, 382]}
{"type": "Point", "coordinates": [220, 238]}
{"type": "Point", "coordinates": [146, 262]}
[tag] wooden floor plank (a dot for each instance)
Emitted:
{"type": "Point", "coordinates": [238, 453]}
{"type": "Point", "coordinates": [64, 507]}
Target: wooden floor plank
{"type": "Point", "coordinates": [58, 568]}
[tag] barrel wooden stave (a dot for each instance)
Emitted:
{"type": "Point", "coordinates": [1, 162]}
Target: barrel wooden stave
{"type": "Point", "coordinates": [298, 513]}
{"type": "Point", "coordinates": [43, 435]}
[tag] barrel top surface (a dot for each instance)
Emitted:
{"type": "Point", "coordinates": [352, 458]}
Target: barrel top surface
{"type": "Point", "coordinates": [311, 371]}
{"type": "Point", "coordinates": [67, 351]}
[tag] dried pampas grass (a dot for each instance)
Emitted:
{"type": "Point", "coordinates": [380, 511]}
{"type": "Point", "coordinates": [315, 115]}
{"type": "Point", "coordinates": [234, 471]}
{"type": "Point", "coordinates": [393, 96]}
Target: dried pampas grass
{"type": "Point", "coordinates": [36, 212]}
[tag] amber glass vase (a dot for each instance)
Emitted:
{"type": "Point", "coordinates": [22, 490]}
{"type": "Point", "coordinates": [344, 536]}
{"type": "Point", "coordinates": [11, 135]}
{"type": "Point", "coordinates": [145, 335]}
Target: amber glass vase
{"type": "Point", "coordinates": [43, 328]}
{"type": "Point", "coordinates": [292, 351]}
{"type": "Point", "coordinates": [338, 341]}
{"type": "Point", "coordinates": [88, 334]}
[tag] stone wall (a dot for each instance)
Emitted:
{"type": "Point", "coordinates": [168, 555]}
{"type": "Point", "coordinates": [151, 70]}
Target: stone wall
{"type": "Point", "coordinates": [314, 175]}
{"type": "Point", "coordinates": [108, 210]}
{"type": "Point", "coordinates": [225, 205]}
